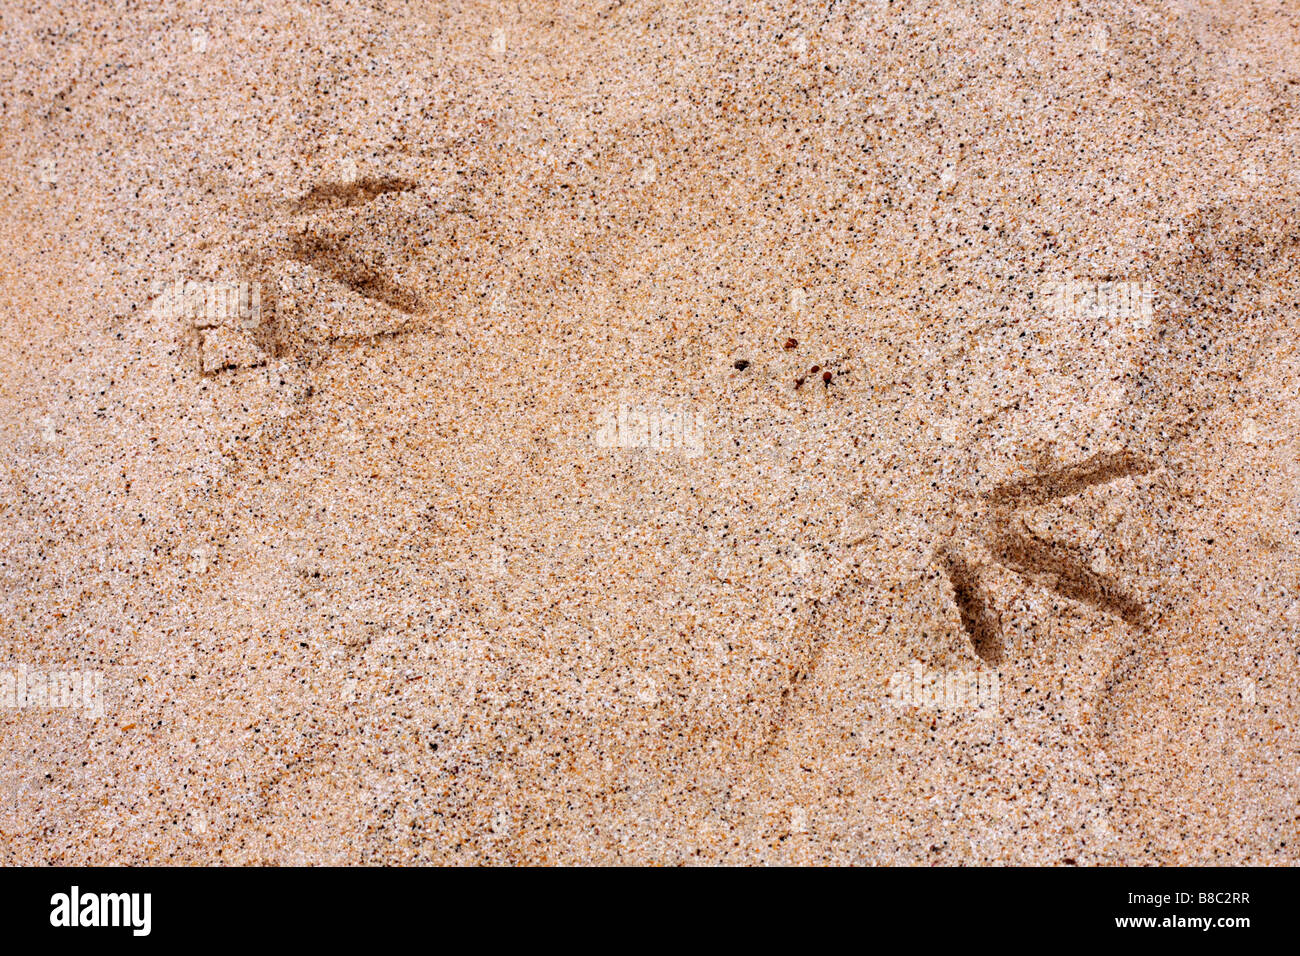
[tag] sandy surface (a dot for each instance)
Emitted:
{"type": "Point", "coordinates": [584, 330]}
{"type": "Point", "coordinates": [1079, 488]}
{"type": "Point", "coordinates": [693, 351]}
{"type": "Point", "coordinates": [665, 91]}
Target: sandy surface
{"type": "Point", "coordinates": [516, 524]}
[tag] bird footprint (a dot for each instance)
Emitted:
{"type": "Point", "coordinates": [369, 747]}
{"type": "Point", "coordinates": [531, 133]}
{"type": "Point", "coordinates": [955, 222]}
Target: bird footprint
{"type": "Point", "coordinates": [1056, 566]}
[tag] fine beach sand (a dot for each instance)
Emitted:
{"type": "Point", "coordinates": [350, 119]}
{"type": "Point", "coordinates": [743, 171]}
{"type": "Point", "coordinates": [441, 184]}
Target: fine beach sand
{"type": "Point", "coordinates": [516, 526]}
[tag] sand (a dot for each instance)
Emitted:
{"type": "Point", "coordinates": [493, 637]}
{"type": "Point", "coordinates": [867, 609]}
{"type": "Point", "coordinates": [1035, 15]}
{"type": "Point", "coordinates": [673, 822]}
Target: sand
{"type": "Point", "coordinates": [650, 433]}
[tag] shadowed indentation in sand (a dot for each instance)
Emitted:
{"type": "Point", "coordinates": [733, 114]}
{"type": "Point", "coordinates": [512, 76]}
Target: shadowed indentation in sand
{"type": "Point", "coordinates": [1063, 482]}
{"type": "Point", "coordinates": [1064, 572]}
{"type": "Point", "coordinates": [311, 241]}
{"type": "Point", "coordinates": [329, 259]}
{"type": "Point", "coordinates": [1055, 566]}
{"type": "Point", "coordinates": [357, 193]}
{"type": "Point", "coordinates": [1050, 565]}
{"type": "Point", "coordinates": [978, 616]}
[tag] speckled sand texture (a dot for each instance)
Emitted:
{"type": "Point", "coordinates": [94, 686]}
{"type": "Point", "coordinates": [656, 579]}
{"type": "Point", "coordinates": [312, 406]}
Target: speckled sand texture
{"type": "Point", "coordinates": [647, 407]}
